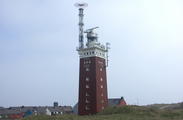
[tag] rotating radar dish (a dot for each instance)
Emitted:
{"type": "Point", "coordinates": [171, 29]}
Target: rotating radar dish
{"type": "Point", "coordinates": [81, 5]}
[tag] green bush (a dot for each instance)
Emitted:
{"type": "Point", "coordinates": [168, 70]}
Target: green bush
{"type": "Point", "coordinates": [135, 110]}
{"type": "Point", "coordinates": [172, 114]}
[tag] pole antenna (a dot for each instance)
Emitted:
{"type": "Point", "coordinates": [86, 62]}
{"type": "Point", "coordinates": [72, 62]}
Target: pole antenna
{"type": "Point", "coordinates": [107, 56]}
{"type": "Point", "coordinates": [81, 7]}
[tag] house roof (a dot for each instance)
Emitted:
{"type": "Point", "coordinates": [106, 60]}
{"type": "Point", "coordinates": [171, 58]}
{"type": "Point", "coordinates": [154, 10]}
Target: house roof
{"type": "Point", "coordinates": [113, 101]}
{"type": "Point", "coordinates": [8, 111]}
{"type": "Point", "coordinates": [55, 109]}
{"type": "Point", "coordinates": [39, 110]}
{"type": "Point", "coordinates": [67, 108]}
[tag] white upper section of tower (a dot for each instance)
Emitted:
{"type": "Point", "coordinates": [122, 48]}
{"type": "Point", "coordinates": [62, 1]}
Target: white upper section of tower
{"type": "Point", "coordinates": [93, 50]}
{"type": "Point", "coordinates": [93, 47]}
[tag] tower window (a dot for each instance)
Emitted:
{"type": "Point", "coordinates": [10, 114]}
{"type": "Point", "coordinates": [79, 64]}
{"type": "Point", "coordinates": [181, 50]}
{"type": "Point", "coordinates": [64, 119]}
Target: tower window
{"type": "Point", "coordinates": [87, 86]}
{"type": "Point", "coordinates": [87, 101]}
{"type": "Point", "coordinates": [89, 61]}
{"type": "Point", "coordinates": [101, 79]}
{"type": "Point", "coordinates": [102, 94]}
{"type": "Point", "coordinates": [100, 69]}
{"type": "Point", "coordinates": [101, 86]}
{"type": "Point", "coordinates": [87, 108]}
{"type": "Point", "coordinates": [87, 94]}
{"type": "Point", "coordinates": [87, 79]}
{"type": "Point", "coordinates": [87, 69]}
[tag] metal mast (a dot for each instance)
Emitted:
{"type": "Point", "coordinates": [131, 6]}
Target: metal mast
{"type": "Point", "coordinates": [81, 7]}
{"type": "Point", "coordinates": [107, 56]}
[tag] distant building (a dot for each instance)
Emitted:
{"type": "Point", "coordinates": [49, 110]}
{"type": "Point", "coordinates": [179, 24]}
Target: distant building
{"type": "Point", "coordinates": [111, 102]}
{"type": "Point", "coordinates": [24, 111]}
{"type": "Point", "coordinates": [8, 113]}
{"type": "Point", "coordinates": [116, 102]}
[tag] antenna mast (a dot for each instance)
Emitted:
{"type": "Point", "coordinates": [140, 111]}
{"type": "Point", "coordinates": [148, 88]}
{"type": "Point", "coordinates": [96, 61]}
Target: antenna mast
{"type": "Point", "coordinates": [81, 7]}
{"type": "Point", "coordinates": [107, 56]}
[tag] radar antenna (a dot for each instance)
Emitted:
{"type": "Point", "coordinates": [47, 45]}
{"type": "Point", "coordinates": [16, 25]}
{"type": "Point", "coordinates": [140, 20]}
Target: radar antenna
{"type": "Point", "coordinates": [90, 30]}
{"type": "Point", "coordinates": [81, 7]}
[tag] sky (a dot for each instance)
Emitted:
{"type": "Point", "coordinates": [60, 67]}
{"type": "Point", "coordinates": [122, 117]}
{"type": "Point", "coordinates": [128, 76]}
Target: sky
{"type": "Point", "coordinates": [39, 63]}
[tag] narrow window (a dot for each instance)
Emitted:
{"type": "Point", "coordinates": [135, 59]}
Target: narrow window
{"type": "Point", "coordinates": [101, 86]}
{"type": "Point", "coordinates": [87, 86]}
{"type": "Point", "coordinates": [87, 69]}
{"type": "Point", "coordinates": [87, 94]}
{"type": "Point", "coordinates": [87, 101]}
{"type": "Point", "coordinates": [86, 107]}
{"type": "Point", "coordinates": [87, 79]}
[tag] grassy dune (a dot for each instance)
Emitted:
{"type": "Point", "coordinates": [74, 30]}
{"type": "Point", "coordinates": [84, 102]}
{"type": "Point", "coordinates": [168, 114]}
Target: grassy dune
{"type": "Point", "coordinates": [121, 113]}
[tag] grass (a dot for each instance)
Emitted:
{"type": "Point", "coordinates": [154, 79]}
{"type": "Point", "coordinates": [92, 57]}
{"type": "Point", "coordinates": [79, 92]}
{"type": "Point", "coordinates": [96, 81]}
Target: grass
{"type": "Point", "coordinates": [121, 113]}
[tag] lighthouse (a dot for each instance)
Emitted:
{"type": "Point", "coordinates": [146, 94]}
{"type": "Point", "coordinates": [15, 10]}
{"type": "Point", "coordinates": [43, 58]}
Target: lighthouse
{"type": "Point", "coordinates": [92, 69]}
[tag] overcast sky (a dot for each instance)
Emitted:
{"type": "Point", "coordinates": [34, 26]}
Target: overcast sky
{"type": "Point", "coordinates": [39, 63]}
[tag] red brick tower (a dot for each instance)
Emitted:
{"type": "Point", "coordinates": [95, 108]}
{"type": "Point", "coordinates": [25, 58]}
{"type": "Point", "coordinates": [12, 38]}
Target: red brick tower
{"type": "Point", "coordinates": [92, 75]}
